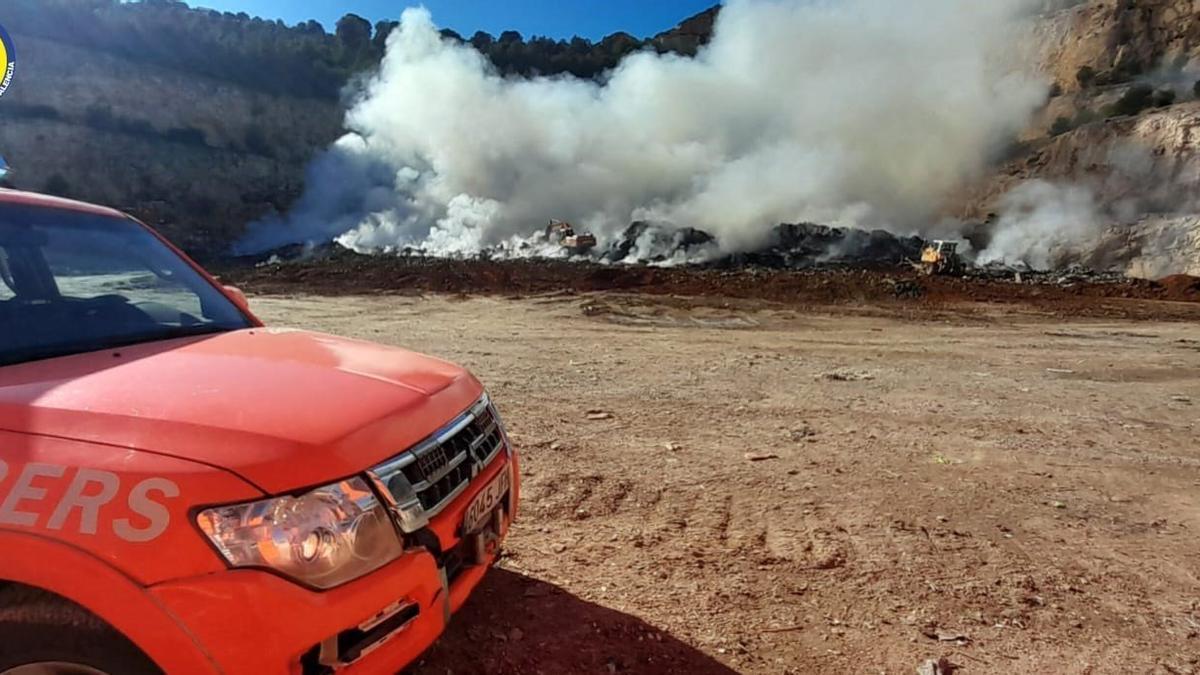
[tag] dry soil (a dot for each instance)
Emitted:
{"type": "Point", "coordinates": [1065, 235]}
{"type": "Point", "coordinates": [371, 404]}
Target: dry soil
{"type": "Point", "coordinates": [717, 486]}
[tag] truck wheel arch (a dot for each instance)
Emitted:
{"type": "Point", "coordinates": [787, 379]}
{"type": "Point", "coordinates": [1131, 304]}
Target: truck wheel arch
{"type": "Point", "coordinates": [105, 592]}
{"type": "Point", "coordinates": [39, 627]}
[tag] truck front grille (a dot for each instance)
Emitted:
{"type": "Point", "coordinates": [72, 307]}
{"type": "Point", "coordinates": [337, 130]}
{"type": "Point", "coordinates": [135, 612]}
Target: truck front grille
{"type": "Point", "coordinates": [423, 480]}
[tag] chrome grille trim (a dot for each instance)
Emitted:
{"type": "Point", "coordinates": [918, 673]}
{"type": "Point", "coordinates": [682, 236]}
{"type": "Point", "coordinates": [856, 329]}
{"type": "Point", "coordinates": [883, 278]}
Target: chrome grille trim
{"type": "Point", "coordinates": [437, 508]}
{"type": "Point", "coordinates": [441, 473]}
{"type": "Point", "coordinates": [495, 451]}
{"type": "Point", "coordinates": [410, 481]}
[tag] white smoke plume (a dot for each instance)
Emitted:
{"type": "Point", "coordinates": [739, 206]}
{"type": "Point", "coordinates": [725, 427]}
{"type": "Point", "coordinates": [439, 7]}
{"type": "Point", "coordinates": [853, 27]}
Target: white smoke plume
{"type": "Point", "coordinates": [1041, 222]}
{"type": "Point", "coordinates": [1045, 224]}
{"type": "Point", "coordinates": [851, 112]}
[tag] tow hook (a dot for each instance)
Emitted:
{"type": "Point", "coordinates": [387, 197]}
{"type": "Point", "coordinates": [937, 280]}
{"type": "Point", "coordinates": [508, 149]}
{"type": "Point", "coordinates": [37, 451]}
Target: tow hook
{"type": "Point", "coordinates": [487, 541]}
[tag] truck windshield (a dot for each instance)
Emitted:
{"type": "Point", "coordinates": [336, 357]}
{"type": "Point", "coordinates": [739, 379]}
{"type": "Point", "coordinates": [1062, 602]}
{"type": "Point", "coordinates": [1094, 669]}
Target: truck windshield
{"type": "Point", "coordinates": [76, 282]}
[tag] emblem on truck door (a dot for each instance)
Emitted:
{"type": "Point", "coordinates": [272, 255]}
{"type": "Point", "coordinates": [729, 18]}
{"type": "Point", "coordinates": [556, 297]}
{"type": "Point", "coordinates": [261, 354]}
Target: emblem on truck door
{"type": "Point", "coordinates": [83, 502]}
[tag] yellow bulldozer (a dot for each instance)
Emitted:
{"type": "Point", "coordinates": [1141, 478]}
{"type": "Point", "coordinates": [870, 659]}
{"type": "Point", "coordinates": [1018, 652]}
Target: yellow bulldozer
{"type": "Point", "coordinates": [564, 235]}
{"type": "Point", "coordinates": [940, 257]}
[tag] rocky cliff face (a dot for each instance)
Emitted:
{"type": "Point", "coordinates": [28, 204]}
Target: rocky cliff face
{"type": "Point", "coordinates": [1123, 122]}
{"type": "Point", "coordinates": [690, 35]}
{"type": "Point", "coordinates": [1155, 246]}
{"type": "Point", "coordinates": [1116, 39]}
{"type": "Point", "coordinates": [1142, 173]}
{"type": "Point", "coordinates": [1152, 158]}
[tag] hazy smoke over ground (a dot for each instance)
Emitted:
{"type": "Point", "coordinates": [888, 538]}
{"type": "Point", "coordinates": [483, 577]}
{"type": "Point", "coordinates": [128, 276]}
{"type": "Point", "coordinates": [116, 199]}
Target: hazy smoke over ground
{"type": "Point", "coordinates": [1050, 224]}
{"type": "Point", "coordinates": [856, 112]}
{"type": "Point", "coordinates": [1041, 221]}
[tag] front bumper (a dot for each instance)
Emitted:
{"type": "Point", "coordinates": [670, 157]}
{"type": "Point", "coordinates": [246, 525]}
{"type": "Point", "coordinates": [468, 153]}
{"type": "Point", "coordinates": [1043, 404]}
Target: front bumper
{"type": "Point", "coordinates": [251, 621]}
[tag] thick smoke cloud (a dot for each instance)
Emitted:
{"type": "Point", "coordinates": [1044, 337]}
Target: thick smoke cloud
{"type": "Point", "coordinates": [851, 112]}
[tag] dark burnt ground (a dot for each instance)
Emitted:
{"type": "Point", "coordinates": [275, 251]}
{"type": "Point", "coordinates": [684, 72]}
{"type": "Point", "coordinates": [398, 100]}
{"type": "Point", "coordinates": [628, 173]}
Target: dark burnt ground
{"type": "Point", "coordinates": [1176, 298]}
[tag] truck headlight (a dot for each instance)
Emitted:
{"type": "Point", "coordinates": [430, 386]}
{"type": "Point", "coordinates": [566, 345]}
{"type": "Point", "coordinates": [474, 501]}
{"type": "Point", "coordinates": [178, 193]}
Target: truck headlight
{"type": "Point", "coordinates": [322, 538]}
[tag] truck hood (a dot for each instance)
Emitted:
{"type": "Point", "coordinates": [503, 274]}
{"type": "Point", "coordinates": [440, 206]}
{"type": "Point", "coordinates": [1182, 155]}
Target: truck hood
{"type": "Point", "coordinates": [283, 409]}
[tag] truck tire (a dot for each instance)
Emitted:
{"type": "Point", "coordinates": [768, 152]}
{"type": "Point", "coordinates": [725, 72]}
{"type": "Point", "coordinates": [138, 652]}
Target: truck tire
{"type": "Point", "coordinates": [44, 634]}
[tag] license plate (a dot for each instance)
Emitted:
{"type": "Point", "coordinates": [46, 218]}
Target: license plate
{"type": "Point", "coordinates": [486, 501]}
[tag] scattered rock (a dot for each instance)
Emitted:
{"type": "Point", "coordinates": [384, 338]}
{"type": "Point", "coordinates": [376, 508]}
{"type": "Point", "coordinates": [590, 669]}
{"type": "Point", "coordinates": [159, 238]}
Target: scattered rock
{"type": "Point", "coordinates": [802, 433]}
{"type": "Point", "coordinates": [1181, 399]}
{"type": "Point", "coordinates": [941, 666]}
{"type": "Point", "coordinates": [596, 415]}
{"type": "Point", "coordinates": [934, 633]}
{"type": "Point", "coordinates": [1060, 371]}
{"type": "Point", "coordinates": [760, 456]}
{"type": "Point", "coordinates": [905, 288]}
{"type": "Point", "coordinates": [596, 308]}
{"type": "Point", "coordinates": [846, 376]}
{"type": "Point", "coordinates": [830, 560]}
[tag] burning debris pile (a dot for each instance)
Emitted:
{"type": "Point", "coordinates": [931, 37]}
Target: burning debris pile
{"type": "Point", "coordinates": [806, 245]}
{"type": "Point", "coordinates": [645, 242]}
{"type": "Point", "coordinates": [1023, 274]}
{"type": "Point", "coordinates": [791, 246]}
{"type": "Point", "coordinates": [337, 270]}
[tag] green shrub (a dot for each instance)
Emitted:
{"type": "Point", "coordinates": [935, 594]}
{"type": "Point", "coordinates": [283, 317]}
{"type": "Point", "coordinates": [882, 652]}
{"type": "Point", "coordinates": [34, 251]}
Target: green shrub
{"type": "Point", "coordinates": [99, 117]}
{"type": "Point", "coordinates": [57, 185]}
{"type": "Point", "coordinates": [185, 135]}
{"type": "Point", "coordinates": [1164, 98]}
{"type": "Point", "coordinates": [1085, 76]}
{"type": "Point", "coordinates": [1061, 126]}
{"type": "Point", "coordinates": [256, 141]}
{"type": "Point", "coordinates": [102, 118]}
{"type": "Point", "coordinates": [1136, 99]}
{"type": "Point", "coordinates": [203, 206]}
{"type": "Point", "coordinates": [30, 111]}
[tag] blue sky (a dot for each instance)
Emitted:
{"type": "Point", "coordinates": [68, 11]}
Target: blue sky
{"type": "Point", "coordinates": [558, 19]}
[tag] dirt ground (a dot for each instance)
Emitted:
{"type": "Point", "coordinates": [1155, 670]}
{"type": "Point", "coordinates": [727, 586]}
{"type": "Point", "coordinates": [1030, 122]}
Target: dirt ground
{"type": "Point", "coordinates": [718, 486]}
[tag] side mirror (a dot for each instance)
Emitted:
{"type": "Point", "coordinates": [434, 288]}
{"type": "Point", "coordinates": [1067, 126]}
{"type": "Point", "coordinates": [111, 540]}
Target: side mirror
{"type": "Point", "coordinates": [238, 297]}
